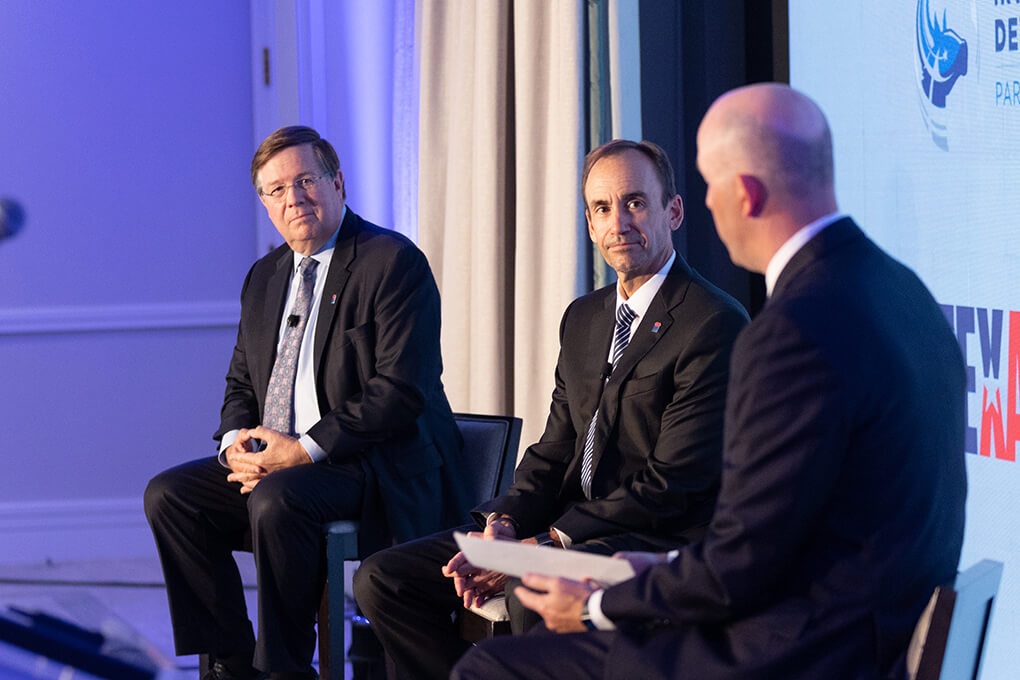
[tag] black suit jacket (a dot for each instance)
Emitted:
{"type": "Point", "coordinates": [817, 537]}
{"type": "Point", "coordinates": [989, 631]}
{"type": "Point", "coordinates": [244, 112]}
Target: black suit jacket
{"type": "Point", "coordinates": [659, 432]}
{"type": "Point", "coordinates": [378, 384]}
{"type": "Point", "coordinates": [842, 500]}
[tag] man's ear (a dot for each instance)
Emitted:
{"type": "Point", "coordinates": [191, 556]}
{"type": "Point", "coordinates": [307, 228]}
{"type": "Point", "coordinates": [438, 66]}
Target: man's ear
{"type": "Point", "coordinates": [591, 229]}
{"type": "Point", "coordinates": [338, 184]}
{"type": "Point", "coordinates": [675, 210]}
{"type": "Point", "coordinates": [753, 195]}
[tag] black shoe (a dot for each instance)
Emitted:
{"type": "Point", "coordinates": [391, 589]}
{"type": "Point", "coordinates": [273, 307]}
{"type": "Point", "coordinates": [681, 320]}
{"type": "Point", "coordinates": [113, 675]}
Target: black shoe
{"type": "Point", "coordinates": [218, 671]}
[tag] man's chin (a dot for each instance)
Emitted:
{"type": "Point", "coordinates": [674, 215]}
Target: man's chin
{"type": "Point", "coordinates": [624, 264]}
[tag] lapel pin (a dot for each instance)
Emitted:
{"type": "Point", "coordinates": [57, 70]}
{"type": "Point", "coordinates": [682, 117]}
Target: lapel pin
{"type": "Point", "coordinates": [333, 301]}
{"type": "Point", "coordinates": [656, 326]}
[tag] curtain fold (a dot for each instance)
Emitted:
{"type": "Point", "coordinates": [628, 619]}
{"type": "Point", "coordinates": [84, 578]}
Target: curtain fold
{"type": "Point", "coordinates": [463, 202]}
{"type": "Point", "coordinates": [501, 141]}
{"type": "Point", "coordinates": [550, 83]}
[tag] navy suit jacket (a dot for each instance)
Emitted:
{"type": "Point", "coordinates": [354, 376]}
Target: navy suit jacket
{"type": "Point", "coordinates": [843, 488]}
{"type": "Point", "coordinates": [377, 377]}
{"type": "Point", "coordinates": [659, 429]}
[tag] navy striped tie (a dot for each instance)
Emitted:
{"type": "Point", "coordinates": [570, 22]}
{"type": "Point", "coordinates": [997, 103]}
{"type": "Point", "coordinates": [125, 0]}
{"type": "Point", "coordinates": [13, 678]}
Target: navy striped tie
{"type": "Point", "coordinates": [621, 338]}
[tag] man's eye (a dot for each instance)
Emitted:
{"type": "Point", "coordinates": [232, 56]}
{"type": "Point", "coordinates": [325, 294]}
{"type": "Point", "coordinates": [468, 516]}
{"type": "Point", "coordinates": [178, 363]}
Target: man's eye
{"type": "Point", "coordinates": [635, 205]}
{"type": "Point", "coordinates": [306, 183]}
{"type": "Point", "coordinates": [276, 192]}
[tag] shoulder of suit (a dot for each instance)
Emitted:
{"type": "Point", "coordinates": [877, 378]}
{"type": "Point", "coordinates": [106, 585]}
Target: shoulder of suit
{"type": "Point", "coordinates": [373, 236]}
{"type": "Point", "coordinates": [269, 262]}
{"type": "Point", "coordinates": [699, 291]}
{"type": "Point", "coordinates": [593, 302]}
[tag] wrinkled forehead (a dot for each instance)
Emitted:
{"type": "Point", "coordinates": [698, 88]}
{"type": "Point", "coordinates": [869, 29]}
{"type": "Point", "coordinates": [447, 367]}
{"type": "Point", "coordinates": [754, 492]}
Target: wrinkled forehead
{"type": "Point", "coordinates": [288, 164]}
{"type": "Point", "coordinates": [626, 172]}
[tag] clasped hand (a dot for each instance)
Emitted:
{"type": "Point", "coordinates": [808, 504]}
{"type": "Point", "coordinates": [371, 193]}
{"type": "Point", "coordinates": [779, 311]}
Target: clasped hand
{"type": "Point", "coordinates": [248, 466]}
{"type": "Point", "coordinates": [474, 585]}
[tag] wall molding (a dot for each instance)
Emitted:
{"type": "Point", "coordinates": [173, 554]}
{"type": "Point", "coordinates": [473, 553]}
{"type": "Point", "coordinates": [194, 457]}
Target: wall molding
{"type": "Point", "coordinates": [118, 317]}
{"type": "Point", "coordinates": [87, 529]}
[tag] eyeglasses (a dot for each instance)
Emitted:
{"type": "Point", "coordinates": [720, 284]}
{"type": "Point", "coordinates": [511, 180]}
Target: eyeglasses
{"type": "Point", "coordinates": [279, 192]}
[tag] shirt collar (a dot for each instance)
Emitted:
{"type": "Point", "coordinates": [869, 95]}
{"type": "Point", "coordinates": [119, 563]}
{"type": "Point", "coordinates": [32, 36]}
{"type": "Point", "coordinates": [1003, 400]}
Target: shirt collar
{"type": "Point", "coordinates": [792, 246]}
{"type": "Point", "coordinates": [642, 297]}
{"type": "Point", "coordinates": [324, 254]}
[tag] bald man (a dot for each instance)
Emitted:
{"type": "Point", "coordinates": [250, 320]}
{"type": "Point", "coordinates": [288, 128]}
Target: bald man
{"type": "Point", "coordinates": [843, 488]}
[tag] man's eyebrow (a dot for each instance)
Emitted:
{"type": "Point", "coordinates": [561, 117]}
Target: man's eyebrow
{"type": "Point", "coordinates": [635, 194]}
{"type": "Point", "coordinates": [307, 173]}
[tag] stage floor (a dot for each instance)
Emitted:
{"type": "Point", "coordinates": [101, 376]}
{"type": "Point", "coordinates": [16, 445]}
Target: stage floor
{"type": "Point", "coordinates": [124, 593]}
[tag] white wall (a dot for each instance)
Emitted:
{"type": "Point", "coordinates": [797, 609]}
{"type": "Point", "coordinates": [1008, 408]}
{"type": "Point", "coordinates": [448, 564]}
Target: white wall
{"type": "Point", "coordinates": [126, 133]}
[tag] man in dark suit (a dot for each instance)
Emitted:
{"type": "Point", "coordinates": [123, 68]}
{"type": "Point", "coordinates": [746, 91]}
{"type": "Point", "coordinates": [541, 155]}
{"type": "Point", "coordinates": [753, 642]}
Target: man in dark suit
{"type": "Point", "coordinates": [334, 409]}
{"type": "Point", "coordinates": [630, 457]}
{"type": "Point", "coordinates": [842, 500]}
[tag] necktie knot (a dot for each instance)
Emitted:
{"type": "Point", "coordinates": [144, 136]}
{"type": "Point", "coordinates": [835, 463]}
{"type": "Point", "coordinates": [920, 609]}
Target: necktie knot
{"type": "Point", "coordinates": [306, 267]}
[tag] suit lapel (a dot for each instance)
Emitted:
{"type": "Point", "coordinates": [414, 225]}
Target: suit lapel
{"type": "Point", "coordinates": [336, 278]}
{"type": "Point", "coordinates": [660, 312]}
{"type": "Point", "coordinates": [600, 336]}
{"type": "Point", "coordinates": [276, 299]}
{"type": "Point", "coordinates": [656, 324]}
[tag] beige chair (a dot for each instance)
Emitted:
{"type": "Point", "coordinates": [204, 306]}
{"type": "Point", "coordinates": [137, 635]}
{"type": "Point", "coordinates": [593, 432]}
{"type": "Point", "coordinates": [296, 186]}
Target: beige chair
{"type": "Point", "coordinates": [484, 622]}
{"type": "Point", "coordinates": [949, 639]}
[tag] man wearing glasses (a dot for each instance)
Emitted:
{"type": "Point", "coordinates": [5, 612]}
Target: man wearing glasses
{"type": "Point", "coordinates": [334, 409]}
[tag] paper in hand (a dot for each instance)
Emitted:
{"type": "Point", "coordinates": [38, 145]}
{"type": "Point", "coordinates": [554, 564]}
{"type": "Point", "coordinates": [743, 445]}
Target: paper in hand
{"type": "Point", "coordinates": [517, 559]}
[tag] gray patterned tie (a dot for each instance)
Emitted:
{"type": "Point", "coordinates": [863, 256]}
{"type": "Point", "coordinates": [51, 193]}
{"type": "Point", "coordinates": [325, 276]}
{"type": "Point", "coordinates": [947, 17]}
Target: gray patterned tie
{"type": "Point", "coordinates": [279, 411]}
{"type": "Point", "coordinates": [621, 338]}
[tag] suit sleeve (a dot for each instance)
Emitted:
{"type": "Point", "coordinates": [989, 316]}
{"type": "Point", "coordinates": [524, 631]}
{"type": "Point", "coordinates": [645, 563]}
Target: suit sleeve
{"type": "Point", "coordinates": [400, 355]}
{"type": "Point", "coordinates": [240, 406]}
{"type": "Point", "coordinates": [673, 492]}
{"type": "Point", "coordinates": [534, 496]}
{"type": "Point", "coordinates": [786, 433]}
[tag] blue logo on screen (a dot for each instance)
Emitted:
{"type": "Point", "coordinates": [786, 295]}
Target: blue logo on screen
{"type": "Point", "coordinates": [942, 59]}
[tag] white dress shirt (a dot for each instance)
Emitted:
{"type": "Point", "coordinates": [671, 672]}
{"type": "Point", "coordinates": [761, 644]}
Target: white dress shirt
{"type": "Point", "coordinates": [642, 298]}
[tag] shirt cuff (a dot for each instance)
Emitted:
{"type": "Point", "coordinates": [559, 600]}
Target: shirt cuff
{"type": "Point", "coordinates": [565, 540]}
{"type": "Point", "coordinates": [672, 554]}
{"type": "Point", "coordinates": [225, 441]}
{"type": "Point", "coordinates": [314, 451]}
{"type": "Point", "coordinates": [600, 620]}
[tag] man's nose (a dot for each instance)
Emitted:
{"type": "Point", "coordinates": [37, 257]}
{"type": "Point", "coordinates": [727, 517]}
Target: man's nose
{"type": "Point", "coordinates": [620, 222]}
{"type": "Point", "coordinates": [295, 194]}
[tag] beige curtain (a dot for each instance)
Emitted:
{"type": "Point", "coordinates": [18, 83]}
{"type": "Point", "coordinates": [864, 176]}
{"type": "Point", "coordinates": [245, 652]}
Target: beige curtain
{"type": "Point", "coordinates": [501, 133]}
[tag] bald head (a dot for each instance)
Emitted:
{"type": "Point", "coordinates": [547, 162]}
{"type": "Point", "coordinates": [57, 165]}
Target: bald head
{"type": "Point", "coordinates": [775, 133]}
{"type": "Point", "coordinates": [772, 146]}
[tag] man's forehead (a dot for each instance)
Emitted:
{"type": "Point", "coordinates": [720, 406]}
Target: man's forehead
{"type": "Point", "coordinates": [291, 161]}
{"type": "Point", "coordinates": [627, 172]}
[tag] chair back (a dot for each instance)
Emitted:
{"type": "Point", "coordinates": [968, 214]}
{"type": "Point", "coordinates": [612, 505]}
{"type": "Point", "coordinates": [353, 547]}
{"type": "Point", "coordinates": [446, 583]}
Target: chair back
{"type": "Point", "coordinates": [490, 448]}
{"type": "Point", "coordinates": [949, 639]}
{"type": "Point", "coordinates": [490, 453]}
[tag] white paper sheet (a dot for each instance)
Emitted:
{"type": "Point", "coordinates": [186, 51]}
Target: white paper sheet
{"type": "Point", "coordinates": [517, 559]}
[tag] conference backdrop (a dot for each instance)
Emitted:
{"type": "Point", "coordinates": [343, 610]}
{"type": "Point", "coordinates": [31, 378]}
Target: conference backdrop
{"type": "Point", "coordinates": [924, 101]}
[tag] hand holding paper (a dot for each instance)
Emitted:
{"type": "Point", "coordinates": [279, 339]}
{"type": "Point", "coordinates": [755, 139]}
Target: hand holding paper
{"type": "Point", "coordinates": [517, 559]}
